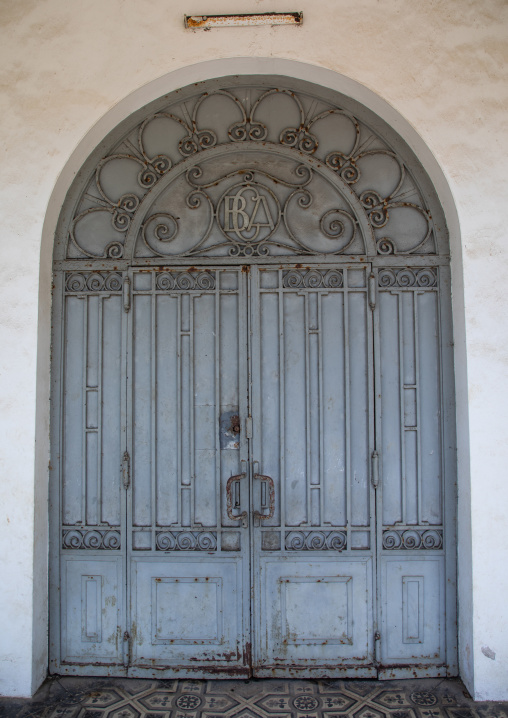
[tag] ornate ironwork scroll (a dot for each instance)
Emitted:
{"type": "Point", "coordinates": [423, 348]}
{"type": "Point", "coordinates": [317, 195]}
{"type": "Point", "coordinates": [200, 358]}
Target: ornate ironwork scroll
{"type": "Point", "coordinates": [413, 539]}
{"type": "Point", "coordinates": [250, 210]}
{"type": "Point", "coordinates": [186, 541]}
{"type": "Point", "coordinates": [92, 539]}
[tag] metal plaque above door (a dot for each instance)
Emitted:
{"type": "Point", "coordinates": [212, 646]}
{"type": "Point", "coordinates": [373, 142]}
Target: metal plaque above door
{"type": "Point", "coordinates": [252, 467]}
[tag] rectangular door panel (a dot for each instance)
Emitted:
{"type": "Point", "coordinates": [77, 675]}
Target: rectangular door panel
{"type": "Point", "coordinates": [88, 501]}
{"type": "Point", "coordinates": [187, 613]}
{"type": "Point", "coordinates": [314, 615]}
{"type": "Point", "coordinates": [189, 550]}
{"type": "Point", "coordinates": [413, 614]}
{"type": "Point", "coordinates": [411, 497]}
{"type": "Point", "coordinates": [92, 611]}
{"type": "Point", "coordinates": [311, 351]}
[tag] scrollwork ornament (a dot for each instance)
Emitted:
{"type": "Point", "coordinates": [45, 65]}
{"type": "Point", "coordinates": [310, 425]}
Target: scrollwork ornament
{"type": "Point", "coordinates": [113, 282]}
{"type": "Point", "coordinates": [185, 281]}
{"type": "Point", "coordinates": [76, 282]}
{"type": "Point", "coordinates": [160, 227]}
{"type": "Point", "coordinates": [92, 540]}
{"type": "Point", "coordinates": [333, 226]}
{"type": "Point", "coordinates": [432, 539]}
{"type": "Point", "coordinates": [392, 540]}
{"type": "Point", "coordinates": [315, 540]}
{"type": "Point", "coordinates": [336, 540]}
{"type": "Point", "coordinates": [333, 279]}
{"type": "Point", "coordinates": [385, 246]}
{"type": "Point", "coordinates": [206, 541]}
{"type": "Point", "coordinates": [72, 539]}
{"type": "Point", "coordinates": [313, 279]}
{"type": "Point", "coordinates": [344, 166]}
{"type": "Point", "coordinates": [111, 540]}
{"type": "Point", "coordinates": [165, 281]}
{"type": "Point", "coordinates": [426, 278]}
{"type": "Point", "coordinates": [293, 279]}
{"type": "Point", "coordinates": [95, 282]}
{"type": "Point", "coordinates": [377, 209]}
{"type": "Point", "coordinates": [165, 541]}
{"type": "Point", "coordinates": [405, 278]}
{"type": "Point", "coordinates": [349, 160]}
{"type": "Point", "coordinates": [411, 539]}
{"type": "Point", "coordinates": [386, 278]}
{"type": "Point", "coordinates": [295, 540]}
{"type": "Point", "coordinates": [186, 541]}
{"type": "Point", "coordinates": [204, 280]}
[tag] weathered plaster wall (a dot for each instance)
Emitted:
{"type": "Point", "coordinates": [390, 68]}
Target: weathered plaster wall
{"type": "Point", "coordinates": [440, 64]}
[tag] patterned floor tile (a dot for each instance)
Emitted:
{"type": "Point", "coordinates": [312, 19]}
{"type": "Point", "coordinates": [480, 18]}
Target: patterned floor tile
{"type": "Point", "coordinates": [139, 698]}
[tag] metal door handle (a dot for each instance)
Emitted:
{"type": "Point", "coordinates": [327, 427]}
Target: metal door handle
{"type": "Point", "coordinates": [234, 502]}
{"type": "Point", "coordinates": [271, 498]}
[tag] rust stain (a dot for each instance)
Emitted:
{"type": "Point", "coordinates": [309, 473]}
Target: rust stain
{"type": "Point", "coordinates": [247, 655]}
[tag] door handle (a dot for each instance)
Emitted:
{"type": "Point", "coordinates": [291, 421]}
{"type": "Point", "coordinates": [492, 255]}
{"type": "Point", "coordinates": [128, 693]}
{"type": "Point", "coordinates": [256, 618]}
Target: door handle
{"type": "Point", "coordinates": [270, 505]}
{"type": "Point", "coordinates": [233, 499]}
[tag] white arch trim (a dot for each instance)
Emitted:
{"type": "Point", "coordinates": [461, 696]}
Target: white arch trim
{"type": "Point", "coordinates": [155, 89]}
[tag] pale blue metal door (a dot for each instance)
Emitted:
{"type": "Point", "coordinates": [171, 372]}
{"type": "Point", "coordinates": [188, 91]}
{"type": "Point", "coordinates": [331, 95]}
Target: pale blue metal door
{"type": "Point", "coordinates": [188, 553]}
{"type": "Point", "coordinates": [313, 435]}
{"type": "Point", "coordinates": [253, 458]}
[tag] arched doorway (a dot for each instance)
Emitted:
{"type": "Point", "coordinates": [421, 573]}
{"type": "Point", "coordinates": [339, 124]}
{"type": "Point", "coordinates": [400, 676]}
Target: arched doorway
{"type": "Point", "coordinates": [252, 434]}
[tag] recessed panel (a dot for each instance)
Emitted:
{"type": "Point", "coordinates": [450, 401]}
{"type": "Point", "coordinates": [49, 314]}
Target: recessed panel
{"type": "Point", "coordinates": [332, 609]}
{"type": "Point", "coordinates": [315, 612]}
{"type": "Point", "coordinates": [413, 609]}
{"type": "Point", "coordinates": [187, 609]}
{"type": "Point", "coordinates": [92, 595]}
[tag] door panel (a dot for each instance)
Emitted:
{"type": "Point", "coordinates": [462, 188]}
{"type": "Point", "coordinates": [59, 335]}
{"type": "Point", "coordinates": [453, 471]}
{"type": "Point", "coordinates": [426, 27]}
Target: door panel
{"type": "Point", "coordinates": [90, 531]}
{"type": "Point", "coordinates": [313, 554]}
{"type": "Point", "coordinates": [189, 551]}
{"type": "Point", "coordinates": [411, 536]}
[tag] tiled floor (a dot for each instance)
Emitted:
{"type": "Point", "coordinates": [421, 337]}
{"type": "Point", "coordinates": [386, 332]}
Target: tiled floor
{"type": "Point", "coordinates": [131, 698]}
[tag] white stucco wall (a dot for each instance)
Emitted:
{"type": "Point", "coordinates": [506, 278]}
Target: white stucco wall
{"type": "Point", "coordinates": [440, 64]}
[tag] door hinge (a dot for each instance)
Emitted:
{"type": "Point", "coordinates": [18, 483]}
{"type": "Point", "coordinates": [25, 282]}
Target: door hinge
{"type": "Point", "coordinates": [372, 290]}
{"type": "Point", "coordinates": [377, 636]}
{"type": "Point", "coordinates": [127, 293]}
{"type": "Point", "coordinates": [248, 427]}
{"type": "Point", "coordinates": [126, 470]}
{"type": "Point", "coordinates": [375, 469]}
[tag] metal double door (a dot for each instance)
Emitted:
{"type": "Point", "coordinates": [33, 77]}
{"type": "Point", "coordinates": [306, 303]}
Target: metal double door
{"type": "Point", "coordinates": [250, 472]}
{"type": "Point", "coordinates": [251, 511]}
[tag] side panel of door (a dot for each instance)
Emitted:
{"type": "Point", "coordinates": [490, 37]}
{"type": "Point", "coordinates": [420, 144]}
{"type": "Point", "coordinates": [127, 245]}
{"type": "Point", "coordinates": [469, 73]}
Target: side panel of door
{"type": "Point", "coordinates": [412, 498]}
{"type": "Point", "coordinates": [87, 498]}
{"type": "Point", "coordinates": [188, 546]}
{"type": "Point", "coordinates": [313, 436]}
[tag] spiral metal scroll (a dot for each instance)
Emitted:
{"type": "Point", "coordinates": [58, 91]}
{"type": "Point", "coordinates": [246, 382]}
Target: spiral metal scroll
{"type": "Point", "coordinates": [186, 541]}
{"type": "Point", "coordinates": [174, 281]}
{"type": "Point", "coordinates": [406, 278]}
{"type": "Point", "coordinates": [92, 539]}
{"type": "Point", "coordinates": [413, 539]}
{"type": "Point", "coordinates": [316, 540]}
{"type": "Point", "coordinates": [93, 282]}
{"type": "Point", "coordinates": [314, 279]}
